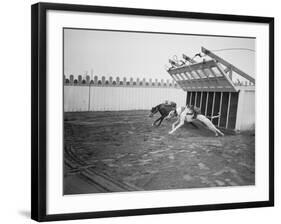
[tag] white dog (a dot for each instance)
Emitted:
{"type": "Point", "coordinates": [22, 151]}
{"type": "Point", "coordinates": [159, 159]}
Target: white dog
{"type": "Point", "coordinates": [187, 114]}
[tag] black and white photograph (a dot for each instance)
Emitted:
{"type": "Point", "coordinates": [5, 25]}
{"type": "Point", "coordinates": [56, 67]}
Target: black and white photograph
{"type": "Point", "coordinates": [133, 112]}
{"type": "Point", "coordinates": [148, 111]}
{"type": "Point", "coordinates": [139, 111]}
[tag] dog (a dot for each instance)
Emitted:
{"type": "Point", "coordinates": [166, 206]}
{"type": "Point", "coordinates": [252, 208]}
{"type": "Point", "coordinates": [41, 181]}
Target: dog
{"type": "Point", "coordinates": [189, 114]}
{"type": "Point", "coordinates": [164, 109]}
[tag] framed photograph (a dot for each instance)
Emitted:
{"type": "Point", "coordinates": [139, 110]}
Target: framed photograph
{"type": "Point", "coordinates": [139, 111]}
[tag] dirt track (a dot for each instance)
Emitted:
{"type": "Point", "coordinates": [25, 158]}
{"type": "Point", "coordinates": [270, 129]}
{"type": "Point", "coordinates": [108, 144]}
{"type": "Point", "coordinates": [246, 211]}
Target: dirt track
{"type": "Point", "coordinates": [125, 147]}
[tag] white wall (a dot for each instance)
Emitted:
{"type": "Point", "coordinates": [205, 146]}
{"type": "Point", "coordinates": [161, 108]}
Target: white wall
{"type": "Point", "coordinates": [245, 119]}
{"type": "Point", "coordinates": [78, 98]}
{"type": "Point", "coordinates": [15, 112]}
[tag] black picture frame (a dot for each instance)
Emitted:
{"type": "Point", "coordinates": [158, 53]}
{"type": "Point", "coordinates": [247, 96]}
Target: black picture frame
{"type": "Point", "coordinates": [39, 107]}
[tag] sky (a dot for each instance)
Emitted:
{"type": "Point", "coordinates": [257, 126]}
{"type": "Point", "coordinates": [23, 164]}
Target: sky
{"type": "Point", "coordinates": [144, 55]}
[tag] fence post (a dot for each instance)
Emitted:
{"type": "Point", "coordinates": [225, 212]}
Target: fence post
{"type": "Point", "coordinates": [88, 79]}
{"type": "Point", "coordinates": [156, 82]}
{"type": "Point", "coordinates": [71, 79]}
{"type": "Point", "coordinates": [80, 79]}
{"type": "Point", "coordinates": [162, 83]}
{"type": "Point", "coordinates": [144, 81]}
{"type": "Point", "coordinates": [168, 83]}
{"type": "Point", "coordinates": [103, 80]}
{"type": "Point", "coordinates": [124, 81]}
{"type": "Point", "coordinates": [117, 81]}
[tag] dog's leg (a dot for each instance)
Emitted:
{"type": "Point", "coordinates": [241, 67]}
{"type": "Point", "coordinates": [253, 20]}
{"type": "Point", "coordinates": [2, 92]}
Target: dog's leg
{"type": "Point", "coordinates": [176, 122]}
{"type": "Point", "coordinates": [161, 119]}
{"type": "Point", "coordinates": [212, 127]}
{"type": "Point", "coordinates": [177, 127]}
{"type": "Point", "coordinates": [209, 124]}
{"type": "Point", "coordinates": [222, 134]}
{"type": "Point", "coordinates": [181, 120]}
{"type": "Point", "coordinates": [154, 123]}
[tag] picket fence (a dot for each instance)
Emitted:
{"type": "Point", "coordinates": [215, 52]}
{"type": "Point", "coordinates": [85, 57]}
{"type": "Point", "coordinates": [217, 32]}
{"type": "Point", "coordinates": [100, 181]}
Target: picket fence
{"type": "Point", "coordinates": [118, 94]}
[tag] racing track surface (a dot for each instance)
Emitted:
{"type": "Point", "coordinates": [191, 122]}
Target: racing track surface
{"type": "Point", "coordinates": [120, 151]}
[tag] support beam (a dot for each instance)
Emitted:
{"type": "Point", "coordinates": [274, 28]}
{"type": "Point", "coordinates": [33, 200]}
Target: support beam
{"type": "Point", "coordinates": [228, 107]}
{"type": "Point", "coordinates": [213, 104]}
{"type": "Point", "coordinates": [201, 100]}
{"type": "Point", "coordinates": [227, 64]}
{"type": "Point", "coordinates": [206, 107]}
{"type": "Point", "coordinates": [219, 121]}
{"type": "Point", "coordinates": [222, 72]}
{"type": "Point", "coordinates": [230, 74]}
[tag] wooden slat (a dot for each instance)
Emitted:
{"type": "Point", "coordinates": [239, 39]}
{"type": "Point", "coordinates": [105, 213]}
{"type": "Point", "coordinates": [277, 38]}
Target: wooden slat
{"type": "Point", "coordinates": [187, 77]}
{"type": "Point", "coordinates": [203, 102]}
{"type": "Point", "coordinates": [216, 109]}
{"type": "Point", "coordinates": [213, 105]}
{"type": "Point", "coordinates": [223, 113]}
{"type": "Point", "coordinates": [193, 99]}
{"type": "Point", "coordinates": [186, 84]}
{"type": "Point", "coordinates": [212, 81]}
{"type": "Point", "coordinates": [195, 81]}
{"type": "Point", "coordinates": [219, 67]}
{"type": "Point", "coordinates": [206, 64]}
{"type": "Point", "coordinates": [188, 98]}
{"type": "Point", "coordinates": [228, 107]}
{"type": "Point", "coordinates": [207, 76]}
{"type": "Point", "coordinates": [210, 103]}
{"type": "Point", "coordinates": [233, 110]}
{"type": "Point", "coordinates": [208, 89]}
{"type": "Point", "coordinates": [199, 75]}
{"type": "Point", "coordinates": [227, 64]}
{"type": "Point", "coordinates": [206, 110]}
{"type": "Point", "coordinates": [181, 76]}
{"type": "Point", "coordinates": [198, 99]}
{"type": "Point", "coordinates": [216, 77]}
{"type": "Point", "coordinates": [220, 109]}
{"type": "Point", "coordinates": [230, 74]}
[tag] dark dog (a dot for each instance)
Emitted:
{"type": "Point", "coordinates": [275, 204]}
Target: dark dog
{"type": "Point", "coordinates": [164, 109]}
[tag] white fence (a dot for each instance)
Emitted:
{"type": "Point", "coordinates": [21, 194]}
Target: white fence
{"type": "Point", "coordinates": [114, 95]}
